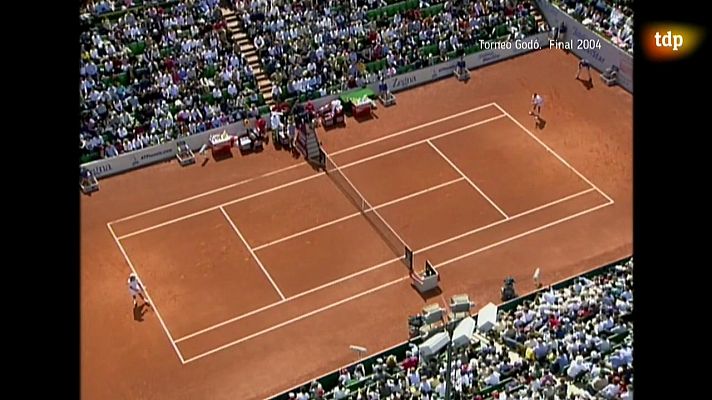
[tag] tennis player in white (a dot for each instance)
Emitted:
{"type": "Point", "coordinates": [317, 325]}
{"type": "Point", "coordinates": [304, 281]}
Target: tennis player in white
{"type": "Point", "coordinates": [537, 102]}
{"type": "Point", "coordinates": [137, 289]}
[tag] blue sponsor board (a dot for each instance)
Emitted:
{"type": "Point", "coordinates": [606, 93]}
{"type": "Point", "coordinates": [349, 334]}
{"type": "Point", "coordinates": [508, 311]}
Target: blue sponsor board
{"type": "Point", "coordinates": [101, 170]}
{"type": "Point", "coordinates": [401, 82]}
{"type": "Point", "coordinates": [489, 56]}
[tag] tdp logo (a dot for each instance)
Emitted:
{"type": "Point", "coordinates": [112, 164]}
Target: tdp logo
{"type": "Point", "coordinates": [671, 41]}
{"type": "Point", "coordinates": [668, 40]}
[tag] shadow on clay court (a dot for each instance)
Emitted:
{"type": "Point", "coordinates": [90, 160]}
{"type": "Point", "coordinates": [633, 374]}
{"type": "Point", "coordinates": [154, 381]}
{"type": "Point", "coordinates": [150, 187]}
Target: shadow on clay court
{"type": "Point", "coordinates": [429, 294]}
{"type": "Point", "coordinates": [540, 123]}
{"type": "Point", "coordinates": [588, 84]}
{"type": "Point", "coordinates": [366, 118]}
{"type": "Point", "coordinates": [222, 156]}
{"type": "Point", "coordinates": [139, 311]}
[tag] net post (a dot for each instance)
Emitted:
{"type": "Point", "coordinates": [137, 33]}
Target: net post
{"type": "Point", "coordinates": [409, 258]}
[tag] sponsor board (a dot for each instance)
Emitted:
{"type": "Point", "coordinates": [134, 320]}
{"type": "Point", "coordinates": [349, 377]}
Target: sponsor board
{"type": "Point", "coordinates": [150, 155]}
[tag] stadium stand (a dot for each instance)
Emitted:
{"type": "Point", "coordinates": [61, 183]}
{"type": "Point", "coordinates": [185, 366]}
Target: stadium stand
{"type": "Point", "coordinates": [152, 71]}
{"type": "Point", "coordinates": [612, 19]}
{"type": "Point", "coordinates": [312, 49]}
{"type": "Point", "coordinates": [572, 340]}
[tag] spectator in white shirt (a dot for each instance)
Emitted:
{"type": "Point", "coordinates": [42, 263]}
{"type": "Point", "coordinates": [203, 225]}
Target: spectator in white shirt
{"type": "Point", "coordinates": [425, 386]}
{"type": "Point", "coordinates": [340, 392]}
{"type": "Point", "coordinates": [232, 90]}
{"type": "Point", "coordinates": [414, 377]}
{"type": "Point", "coordinates": [259, 42]}
{"type": "Point", "coordinates": [111, 151]}
{"type": "Point", "coordinates": [493, 378]}
{"type": "Point", "coordinates": [610, 391]}
{"type": "Point", "coordinates": [276, 92]}
{"type": "Point", "coordinates": [577, 368]}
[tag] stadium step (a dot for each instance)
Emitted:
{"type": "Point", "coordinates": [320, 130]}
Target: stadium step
{"type": "Point", "coordinates": [227, 13]}
{"type": "Point", "coordinates": [240, 35]}
{"type": "Point", "coordinates": [233, 25]}
{"type": "Point", "coordinates": [252, 59]}
{"type": "Point", "coordinates": [312, 146]}
{"type": "Point", "coordinates": [249, 51]}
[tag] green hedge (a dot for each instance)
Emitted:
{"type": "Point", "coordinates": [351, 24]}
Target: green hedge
{"type": "Point", "coordinates": [430, 49]}
{"type": "Point", "coordinates": [392, 9]}
{"type": "Point", "coordinates": [432, 11]}
{"type": "Point", "coordinates": [85, 158]}
{"type": "Point", "coordinates": [137, 48]}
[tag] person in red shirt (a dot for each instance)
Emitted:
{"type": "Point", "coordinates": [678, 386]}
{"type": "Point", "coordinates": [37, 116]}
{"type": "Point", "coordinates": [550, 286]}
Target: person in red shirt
{"type": "Point", "coordinates": [261, 125]}
{"type": "Point", "coordinates": [311, 109]}
{"type": "Point", "coordinates": [554, 321]}
{"type": "Point", "coordinates": [410, 361]}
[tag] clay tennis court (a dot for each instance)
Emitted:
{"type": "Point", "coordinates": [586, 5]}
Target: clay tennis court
{"type": "Point", "coordinates": [262, 271]}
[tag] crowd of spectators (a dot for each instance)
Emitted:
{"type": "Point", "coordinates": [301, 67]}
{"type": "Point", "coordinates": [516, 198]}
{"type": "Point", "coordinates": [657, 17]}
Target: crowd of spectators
{"type": "Point", "coordinates": [573, 343]}
{"type": "Point", "coordinates": [610, 18]}
{"type": "Point", "coordinates": [311, 48]}
{"type": "Point", "coordinates": [155, 70]}
{"type": "Point", "coordinates": [152, 71]}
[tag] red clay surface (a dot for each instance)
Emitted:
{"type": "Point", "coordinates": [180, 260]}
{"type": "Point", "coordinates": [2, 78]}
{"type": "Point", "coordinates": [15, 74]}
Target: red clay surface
{"type": "Point", "coordinates": [472, 191]}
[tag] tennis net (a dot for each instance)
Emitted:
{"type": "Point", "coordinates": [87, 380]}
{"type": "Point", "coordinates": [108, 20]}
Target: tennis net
{"type": "Point", "coordinates": [389, 236]}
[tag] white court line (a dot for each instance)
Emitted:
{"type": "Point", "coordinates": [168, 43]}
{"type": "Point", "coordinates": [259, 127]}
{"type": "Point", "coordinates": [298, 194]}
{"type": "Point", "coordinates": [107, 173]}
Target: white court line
{"type": "Point", "coordinates": [208, 193]}
{"type": "Point", "coordinates": [290, 321]}
{"type": "Point", "coordinates": [356, 296]}
{"type": "Point", "coordinates": [278, 171]}
{"type": "Point", "coordinates": [252, 252]}
{"type": "Point", "coordinates": [153, 304]}
{"type": "Point", "coordinates": [377, 266]}
{"type": "Point", "coordinates": [419, 142]}
{"type": "Point", "coordinates": [209, 209]}
{"type": "Point", "coordinates": [501, 221]}
{"type": "Point", "coordinates": [549, 149]}
{"type": "Point", "coordinates": [275, 188]}
{"type": "Point", "coordinates": [452, 164]}
{"type": "Point", "coordinates": [288, 299]}
{"type": "Point", "coordinates": [356, 214]}
{"type": "Point", "coordinates": [509, 239]}
{"type": "Point", "coordinates": [334, 282]}
{"type": "Point", "coordinates": [437, 121]}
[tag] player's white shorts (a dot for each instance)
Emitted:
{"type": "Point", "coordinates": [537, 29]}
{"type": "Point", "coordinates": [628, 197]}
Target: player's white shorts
{"type": "Point", "coordinates": [133, 292]}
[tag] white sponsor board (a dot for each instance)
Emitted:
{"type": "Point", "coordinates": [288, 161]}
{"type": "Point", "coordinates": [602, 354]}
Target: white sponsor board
{"type": "Point", "coordinates": [150, 155]}
{"type": "Point", "coordinates": [601, 59]}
